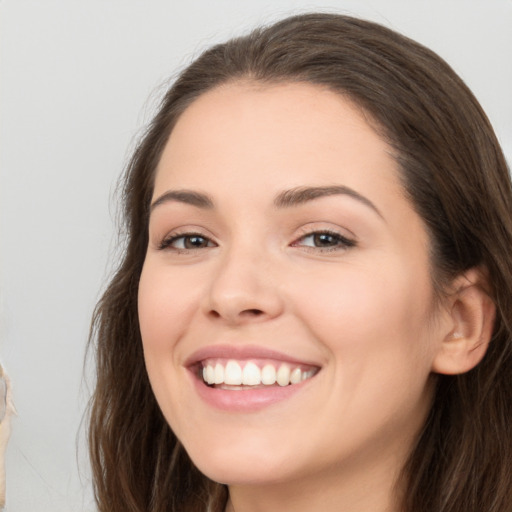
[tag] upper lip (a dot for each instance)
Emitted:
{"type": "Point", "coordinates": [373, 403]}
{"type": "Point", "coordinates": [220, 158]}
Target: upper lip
{"type": "Point", "coordinates": [241, 352]}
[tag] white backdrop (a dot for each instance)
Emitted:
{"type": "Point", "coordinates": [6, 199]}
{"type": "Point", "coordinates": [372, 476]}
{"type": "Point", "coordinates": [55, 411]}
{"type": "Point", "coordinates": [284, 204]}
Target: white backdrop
{"type": "Point", "coordinates": [75, 78]}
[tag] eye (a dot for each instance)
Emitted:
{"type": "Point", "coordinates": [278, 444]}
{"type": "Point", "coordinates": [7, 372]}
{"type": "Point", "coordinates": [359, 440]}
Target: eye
{"type": "Point", "coordinates": [186, 242]}
{"type": "Point", "coordinates": [325, 240]}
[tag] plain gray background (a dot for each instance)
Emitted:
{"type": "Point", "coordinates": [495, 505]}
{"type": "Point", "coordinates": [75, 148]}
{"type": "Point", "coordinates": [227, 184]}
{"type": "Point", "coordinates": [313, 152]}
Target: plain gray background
{"type": "Point", "coordinates": [78, 80]}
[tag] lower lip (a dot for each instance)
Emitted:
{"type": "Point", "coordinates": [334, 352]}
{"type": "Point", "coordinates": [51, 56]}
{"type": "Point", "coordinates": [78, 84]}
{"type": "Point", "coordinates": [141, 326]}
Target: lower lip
{"type": "Point", "coordinates": [245, 400]}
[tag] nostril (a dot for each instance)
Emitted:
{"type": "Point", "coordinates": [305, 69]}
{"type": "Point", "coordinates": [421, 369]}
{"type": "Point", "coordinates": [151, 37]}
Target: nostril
{"type": "Point", "coordinates": [247, 313]}
{"type": "Point", "coordinates": [252, 312]}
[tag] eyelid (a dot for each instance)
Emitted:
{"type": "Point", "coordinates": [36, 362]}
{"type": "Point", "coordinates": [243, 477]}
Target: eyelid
{"type": "Point", "coordinates": [325, 227]}
{"type": "Point", "coordinates": [345, 242]}
{"type": "Point", "coordinates": [165, 242]}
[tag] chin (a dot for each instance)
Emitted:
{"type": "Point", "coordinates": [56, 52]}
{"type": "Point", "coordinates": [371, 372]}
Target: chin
{"type": "Point", "coordinates": [242, 468]}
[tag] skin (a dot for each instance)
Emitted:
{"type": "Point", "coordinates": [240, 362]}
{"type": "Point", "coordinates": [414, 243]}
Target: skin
{"type": "Point", "coordinates": [365, 313]}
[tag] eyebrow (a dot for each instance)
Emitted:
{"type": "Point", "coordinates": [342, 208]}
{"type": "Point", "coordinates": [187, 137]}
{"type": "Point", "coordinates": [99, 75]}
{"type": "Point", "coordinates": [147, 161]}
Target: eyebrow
{"type": "Point", "coordinates": [184, 196]}
{"type": "Point", "coordinates": [286, 199]}
{"type": "Point", "coordinates": [301, 195]}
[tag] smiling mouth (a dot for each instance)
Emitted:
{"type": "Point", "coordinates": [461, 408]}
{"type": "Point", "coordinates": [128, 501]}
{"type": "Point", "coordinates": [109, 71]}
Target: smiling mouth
{"type": "Point", "coordinates": [236, 375]}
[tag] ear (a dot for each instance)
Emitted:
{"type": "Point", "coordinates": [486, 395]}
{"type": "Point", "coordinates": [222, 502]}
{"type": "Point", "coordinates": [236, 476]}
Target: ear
{"type": "Point", "coordinates": [469, 324]}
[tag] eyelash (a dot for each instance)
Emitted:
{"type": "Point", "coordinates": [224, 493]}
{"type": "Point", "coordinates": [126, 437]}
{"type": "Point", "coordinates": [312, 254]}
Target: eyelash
{"type": "Point", "coordinates": [339, 241]}
{"type": "Point", "coordinates": [167, 242]}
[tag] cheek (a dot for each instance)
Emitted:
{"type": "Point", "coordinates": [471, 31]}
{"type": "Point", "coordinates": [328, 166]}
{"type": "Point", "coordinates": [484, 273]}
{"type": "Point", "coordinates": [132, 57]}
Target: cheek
{"type": "Point", "coordinates": [165, 304]}
{"type": "Point", "coordinates": [164, 308]}
{"type": "Point", "coordinates": [367, 314]}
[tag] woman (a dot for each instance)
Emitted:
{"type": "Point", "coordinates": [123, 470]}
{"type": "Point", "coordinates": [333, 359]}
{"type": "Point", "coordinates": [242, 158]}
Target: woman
{"type": "Point", "coordinates": [314, 307]}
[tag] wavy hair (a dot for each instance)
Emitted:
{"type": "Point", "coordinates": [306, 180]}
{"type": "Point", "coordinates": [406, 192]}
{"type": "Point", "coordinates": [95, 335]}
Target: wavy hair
{"type": "Point", "coordinates": [454, 173]}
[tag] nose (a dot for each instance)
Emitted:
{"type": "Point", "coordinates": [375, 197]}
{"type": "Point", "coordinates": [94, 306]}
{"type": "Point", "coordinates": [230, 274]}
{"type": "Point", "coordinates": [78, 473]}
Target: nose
{"type": "Point", "coordinates": [243, 289]}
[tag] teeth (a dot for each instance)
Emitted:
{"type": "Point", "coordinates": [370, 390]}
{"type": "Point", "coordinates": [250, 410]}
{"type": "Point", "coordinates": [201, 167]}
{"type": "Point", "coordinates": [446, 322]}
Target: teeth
{"type": "Point", "coordinates": [283, 375]}
{"type": "Point", "coordinates": [268, 375]}
{"type": "Point", "coordinates": [233, 374]}
{"type": "Point", "coordinates": [218, 374]}
{"type": "Point", "coordinates": [295, 376]}
{"type": "Point", "coordinates": [251, 375]}
{"type": "Point", "coordinates": [210, 377]}
{"type": "Point", "coordinates": [307, 375]}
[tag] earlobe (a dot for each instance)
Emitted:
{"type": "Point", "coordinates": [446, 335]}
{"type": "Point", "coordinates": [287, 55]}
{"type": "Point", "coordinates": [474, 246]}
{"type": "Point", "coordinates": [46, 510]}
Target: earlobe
{"type": "Point", "coordinates": [470, 325]}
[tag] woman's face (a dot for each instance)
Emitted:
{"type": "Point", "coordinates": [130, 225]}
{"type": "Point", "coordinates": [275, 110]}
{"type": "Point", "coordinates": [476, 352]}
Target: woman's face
{"type": "Point", "coordinates": [282, 246]}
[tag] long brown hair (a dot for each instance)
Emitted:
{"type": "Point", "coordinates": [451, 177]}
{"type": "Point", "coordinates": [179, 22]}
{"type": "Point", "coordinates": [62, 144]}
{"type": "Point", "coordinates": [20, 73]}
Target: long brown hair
{"type": "Point", "coordinates": [455, 174]}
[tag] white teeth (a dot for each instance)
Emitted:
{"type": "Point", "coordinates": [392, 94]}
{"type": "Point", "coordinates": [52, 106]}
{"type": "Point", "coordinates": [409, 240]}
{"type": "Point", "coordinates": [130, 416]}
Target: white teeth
{"type": "Point", "coordinates": [210, 377]}
{"type": "Point", "coordinates": [251, 375]}
{"type": "Point", "coordinates": [232, 374]}
{"type": "Point", "coordinates": [307, 375]}
{"type": "Point", "coordinates": [218, 374]}
{"type": "Point", "coordinates": [283, 375]}
{"type": "Point", "coordinates": [268, 375]}
{"type": "Point", "coordinates": [295, 376]}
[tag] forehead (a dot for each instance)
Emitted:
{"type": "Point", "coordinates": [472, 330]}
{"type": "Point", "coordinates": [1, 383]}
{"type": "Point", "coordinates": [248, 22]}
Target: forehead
{"type": "Point", "coordinates": [283, 134]}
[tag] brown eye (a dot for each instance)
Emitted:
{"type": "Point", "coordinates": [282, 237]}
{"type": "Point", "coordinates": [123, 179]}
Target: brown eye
{"type": "Point", "coordinates": [194, 242]}
{"type": "Point", "coordinates": [186, 242]}
{"type": "Point", "coordinates": [325, 240]}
